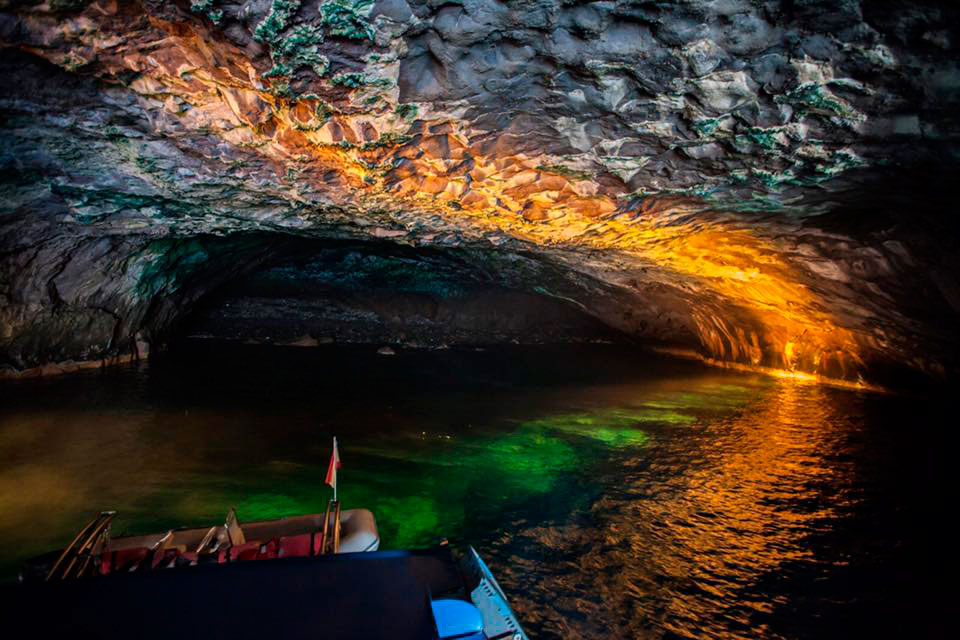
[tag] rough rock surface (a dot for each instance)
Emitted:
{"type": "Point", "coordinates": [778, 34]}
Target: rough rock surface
{"type": "Point", "coordinates": [757, 179]}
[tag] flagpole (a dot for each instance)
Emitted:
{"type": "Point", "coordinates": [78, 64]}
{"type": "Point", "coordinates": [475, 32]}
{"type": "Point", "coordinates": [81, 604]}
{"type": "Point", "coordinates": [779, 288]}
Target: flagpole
{"type": "Point", "coordinates": [332, 469]}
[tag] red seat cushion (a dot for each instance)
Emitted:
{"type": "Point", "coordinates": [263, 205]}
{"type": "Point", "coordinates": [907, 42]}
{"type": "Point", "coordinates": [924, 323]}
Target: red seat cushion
{"type": "Point", "coordinates": [165, 559]}
{"type": "Point", "coordinates": [295, 546]}
{"type": "Point", "coordinates": [243, 552]}
{"type": "Point", "coordinates": [125, 559]}
{"type": "Point", "coordinates": [267, 551]}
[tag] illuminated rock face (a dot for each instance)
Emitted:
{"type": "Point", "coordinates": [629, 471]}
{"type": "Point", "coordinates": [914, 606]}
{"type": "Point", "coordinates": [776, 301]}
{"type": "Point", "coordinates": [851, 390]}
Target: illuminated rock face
{"type": "Point", "coordinates": [712, 174]}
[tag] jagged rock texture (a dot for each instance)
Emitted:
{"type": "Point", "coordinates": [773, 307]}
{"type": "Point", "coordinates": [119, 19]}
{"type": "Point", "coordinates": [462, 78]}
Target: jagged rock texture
{"type": "Point", "coordinates": [755, 179]}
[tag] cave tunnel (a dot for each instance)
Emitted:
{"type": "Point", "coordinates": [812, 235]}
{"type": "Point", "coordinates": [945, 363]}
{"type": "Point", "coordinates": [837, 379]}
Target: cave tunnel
{"type": "Point", "coordinates": [326, 292]}
{"type": "Point", "coordinates": [611, 282]}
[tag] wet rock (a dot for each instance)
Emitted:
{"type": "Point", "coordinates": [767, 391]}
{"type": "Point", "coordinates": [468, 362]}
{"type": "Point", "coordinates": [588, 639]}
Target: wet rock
{"type": "Point", "coordinates": [759, 180]}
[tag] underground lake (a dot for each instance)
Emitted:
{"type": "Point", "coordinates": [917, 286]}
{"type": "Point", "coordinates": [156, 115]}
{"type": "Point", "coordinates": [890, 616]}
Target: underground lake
{"type": "Point", "coordinates": [614, 493]}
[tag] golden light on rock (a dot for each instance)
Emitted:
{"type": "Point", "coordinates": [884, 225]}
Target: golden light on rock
{"type": "Point", "coordinates": [741, 296]}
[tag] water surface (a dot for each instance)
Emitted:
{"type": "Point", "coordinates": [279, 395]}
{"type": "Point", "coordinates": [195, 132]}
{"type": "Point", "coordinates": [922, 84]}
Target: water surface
{"type": "Point", "coordinates": [615, 494]}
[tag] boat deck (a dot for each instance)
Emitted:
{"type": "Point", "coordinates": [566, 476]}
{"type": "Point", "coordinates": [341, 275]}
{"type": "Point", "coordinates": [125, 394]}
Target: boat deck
{"type": "Point", "coordinates": [384, 594]}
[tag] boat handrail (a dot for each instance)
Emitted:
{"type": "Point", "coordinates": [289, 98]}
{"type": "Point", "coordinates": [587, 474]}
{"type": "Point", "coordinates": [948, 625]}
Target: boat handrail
{"type": "Point", "coordinates": [336, 529]}
{"type": "Point", "coordinates": [326, 529]}
{"type": "Point", "coordinates": [90, 534]}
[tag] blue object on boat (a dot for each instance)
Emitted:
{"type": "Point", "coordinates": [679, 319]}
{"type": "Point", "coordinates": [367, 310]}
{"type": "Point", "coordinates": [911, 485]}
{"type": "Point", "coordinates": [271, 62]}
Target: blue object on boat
{"type": "Point", "coordinates": [457, 619]}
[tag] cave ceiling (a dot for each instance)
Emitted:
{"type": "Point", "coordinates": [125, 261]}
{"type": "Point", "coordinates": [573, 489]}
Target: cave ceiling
{"type": "Point", "coordinates": [765, 182]}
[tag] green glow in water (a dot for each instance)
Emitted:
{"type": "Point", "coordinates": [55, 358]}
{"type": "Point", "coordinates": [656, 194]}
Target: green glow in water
{"type": "Point", "coordinates": [527, 459]}
{"type": "Point", "coordinates": [421, 486]}
{"type": "Point", "coordinates": [269, 506]}
{"type": "Point", "coordinates": [440, 471]}
{"type": "Point", "coordinates": [418, 520]}
{"type": "Point", "coordinates": [607, 427]}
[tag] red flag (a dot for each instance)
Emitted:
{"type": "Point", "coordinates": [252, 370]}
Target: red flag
{"type": "Point", "coordinates": [332, 469]}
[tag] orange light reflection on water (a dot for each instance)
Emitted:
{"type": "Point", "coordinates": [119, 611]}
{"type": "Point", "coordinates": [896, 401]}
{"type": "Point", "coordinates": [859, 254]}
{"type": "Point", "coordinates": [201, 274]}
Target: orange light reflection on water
{"type": "Point", "coordinates": [695, 540]}
{"type": "Point", "coordinates": [753, 503]}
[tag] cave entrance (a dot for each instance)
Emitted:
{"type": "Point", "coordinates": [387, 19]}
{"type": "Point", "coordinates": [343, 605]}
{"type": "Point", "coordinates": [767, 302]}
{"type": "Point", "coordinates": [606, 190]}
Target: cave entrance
{"type": "Point", "coordinates": [309, 292]}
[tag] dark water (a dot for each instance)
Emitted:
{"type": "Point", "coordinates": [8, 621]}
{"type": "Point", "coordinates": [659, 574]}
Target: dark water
{"type": "Point", "coordinates": [616, 495]}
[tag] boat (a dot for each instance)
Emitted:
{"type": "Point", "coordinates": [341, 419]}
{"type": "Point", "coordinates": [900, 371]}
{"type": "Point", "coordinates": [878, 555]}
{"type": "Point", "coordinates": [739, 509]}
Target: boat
{"type": "Point", "coordinates": [93, 551]}
{"type": "Point", "coordinates": [319, 575]}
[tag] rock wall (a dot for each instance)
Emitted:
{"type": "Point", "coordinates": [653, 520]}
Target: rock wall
{"type": "Point", "coordinates": [760, 180]}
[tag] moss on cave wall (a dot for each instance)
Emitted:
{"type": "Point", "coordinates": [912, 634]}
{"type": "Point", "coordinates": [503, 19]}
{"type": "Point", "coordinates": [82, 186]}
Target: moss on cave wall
{"type": "Point", "coordinates": [295, 47]}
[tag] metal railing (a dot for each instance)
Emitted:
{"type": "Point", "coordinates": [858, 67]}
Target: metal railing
{"type": "Point", "coordinates": [87, 546]}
